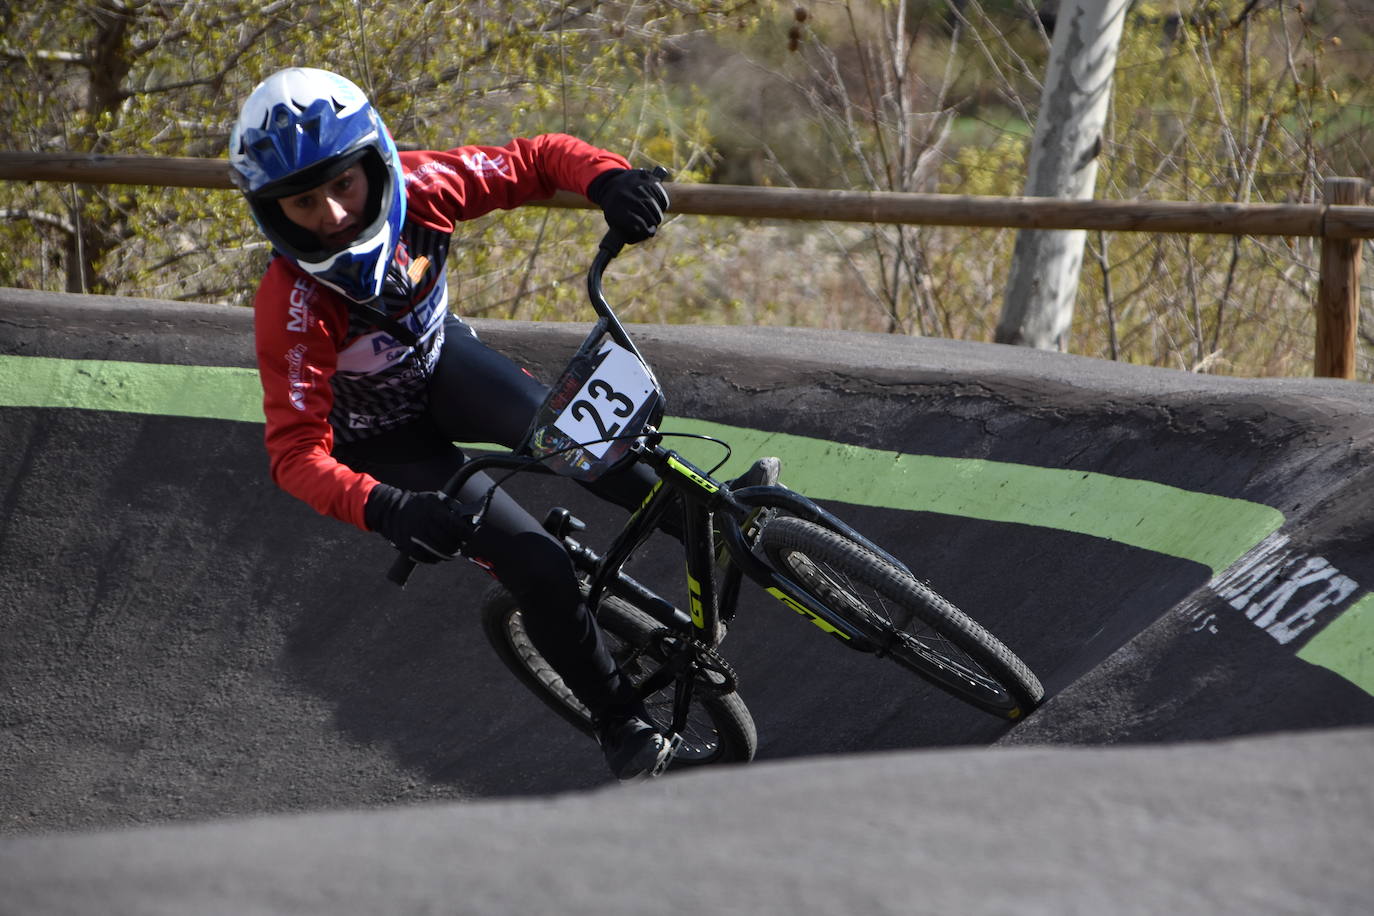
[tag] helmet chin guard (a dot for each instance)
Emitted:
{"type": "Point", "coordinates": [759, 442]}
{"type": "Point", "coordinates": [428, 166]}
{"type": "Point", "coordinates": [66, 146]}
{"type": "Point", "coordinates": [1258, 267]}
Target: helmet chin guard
{"type": "Point", "coordinates": [298, 129]}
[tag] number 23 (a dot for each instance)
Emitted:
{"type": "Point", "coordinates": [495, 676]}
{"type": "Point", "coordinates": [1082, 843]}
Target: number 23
{"type": "Point", "coordinates": [600, 390]}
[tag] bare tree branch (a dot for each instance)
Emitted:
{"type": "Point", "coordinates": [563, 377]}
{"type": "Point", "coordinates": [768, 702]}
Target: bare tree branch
{"type": "Point", "coordinates": [56, 57]}
{"type": "Point", "coordinates": [40, 216]}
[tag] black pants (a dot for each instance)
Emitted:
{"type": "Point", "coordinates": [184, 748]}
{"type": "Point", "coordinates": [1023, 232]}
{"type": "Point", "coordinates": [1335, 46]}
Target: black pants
{"type": "Point", "coordinates": [479, 395]}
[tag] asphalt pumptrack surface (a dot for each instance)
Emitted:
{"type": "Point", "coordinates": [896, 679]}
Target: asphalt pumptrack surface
{"type": "Point", "coordinates": [212, 701]}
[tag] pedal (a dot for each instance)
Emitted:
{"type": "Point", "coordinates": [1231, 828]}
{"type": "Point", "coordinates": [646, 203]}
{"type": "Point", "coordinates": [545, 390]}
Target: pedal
{"type": "Point", "coordinates": [674, 744]}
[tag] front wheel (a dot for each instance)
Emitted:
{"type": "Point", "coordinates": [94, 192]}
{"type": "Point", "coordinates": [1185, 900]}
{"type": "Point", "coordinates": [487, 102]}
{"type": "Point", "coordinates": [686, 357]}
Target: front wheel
{"type": "Point", "coordinates": [719, 728]}
{"type": "Point", "coordinates": [903, 618]}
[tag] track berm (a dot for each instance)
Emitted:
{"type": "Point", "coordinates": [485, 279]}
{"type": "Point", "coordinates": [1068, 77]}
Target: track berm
{"type": "Point", "coordinates": [212, 701]}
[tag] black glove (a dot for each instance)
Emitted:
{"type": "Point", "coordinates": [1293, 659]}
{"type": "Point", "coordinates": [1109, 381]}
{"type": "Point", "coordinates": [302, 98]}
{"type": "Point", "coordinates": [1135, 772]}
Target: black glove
{"type": "Point", "coordinates": [632, 199]}
{"type": "Point", "coordinates": [427, 527]}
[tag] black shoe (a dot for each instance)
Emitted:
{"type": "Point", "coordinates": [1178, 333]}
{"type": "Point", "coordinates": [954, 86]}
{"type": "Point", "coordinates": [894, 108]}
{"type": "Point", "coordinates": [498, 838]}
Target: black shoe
{"type": "Point", "coordinates": [634, 749]}
{"type": "Point", "coordinates": [763, 472]}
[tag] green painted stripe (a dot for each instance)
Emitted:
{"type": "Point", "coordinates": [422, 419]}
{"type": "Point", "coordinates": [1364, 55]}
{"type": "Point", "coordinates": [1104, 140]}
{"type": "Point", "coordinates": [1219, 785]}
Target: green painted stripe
{"type": "Point", "coordinates": [1207, 529]}
{"type": "Point", "coordinates": [1346, 645]}
{"type": "Point", "coordinates": [1212, 530]}
{"type": "Point", "coordinates": [212, 392]}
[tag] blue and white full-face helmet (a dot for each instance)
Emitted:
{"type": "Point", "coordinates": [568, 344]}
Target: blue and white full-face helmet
{"type": "Point", "coordinates": [299, 128]}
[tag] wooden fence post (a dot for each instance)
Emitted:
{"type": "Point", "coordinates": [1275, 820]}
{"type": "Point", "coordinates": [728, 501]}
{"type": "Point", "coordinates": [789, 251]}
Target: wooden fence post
{"type": "Point", "coordinates": [1338, 295]}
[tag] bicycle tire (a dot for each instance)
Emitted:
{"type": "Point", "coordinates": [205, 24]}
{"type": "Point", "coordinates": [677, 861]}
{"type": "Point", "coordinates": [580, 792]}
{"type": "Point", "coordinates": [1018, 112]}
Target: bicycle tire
{"type": "Point", "coordinates": [903, 618]}
{"type": "Point", "coordinates": [719, 726]}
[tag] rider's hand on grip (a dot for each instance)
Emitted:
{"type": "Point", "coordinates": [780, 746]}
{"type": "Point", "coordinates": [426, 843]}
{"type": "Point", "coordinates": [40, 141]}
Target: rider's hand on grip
{"type": "Point", "coordinates": [633, 200]}
{"type": "Point", "coordinates": [426, 526]}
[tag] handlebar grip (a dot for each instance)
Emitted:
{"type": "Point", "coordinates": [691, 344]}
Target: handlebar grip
{"type": "Point", "coordinates": [611, 243]}
{"type": "Point", "coordinates": [400, 570]}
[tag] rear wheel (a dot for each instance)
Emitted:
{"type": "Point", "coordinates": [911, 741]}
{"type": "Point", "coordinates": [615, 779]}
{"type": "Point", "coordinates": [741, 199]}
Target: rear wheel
{"type": "Point", "coordinates": [903, 618]}
{"type": "Point", "coordinates": [719, 728]}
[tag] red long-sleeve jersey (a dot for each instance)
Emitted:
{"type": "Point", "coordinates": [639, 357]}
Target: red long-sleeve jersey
{"type": "Point", "coordinates": [328, 373]}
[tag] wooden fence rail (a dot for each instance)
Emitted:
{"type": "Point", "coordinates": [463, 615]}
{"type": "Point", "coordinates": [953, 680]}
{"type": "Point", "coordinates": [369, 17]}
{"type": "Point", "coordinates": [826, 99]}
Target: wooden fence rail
{"type": "Point", "coordinates": [1342, 222]}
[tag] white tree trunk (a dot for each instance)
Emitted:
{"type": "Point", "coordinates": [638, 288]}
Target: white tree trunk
{"type": "Point", "coordinates": [1038, 308]}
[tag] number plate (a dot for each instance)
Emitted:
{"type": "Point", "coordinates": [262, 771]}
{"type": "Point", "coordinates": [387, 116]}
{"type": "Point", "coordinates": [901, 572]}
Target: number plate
{"type": "Point", "coordinates": [613, 394]}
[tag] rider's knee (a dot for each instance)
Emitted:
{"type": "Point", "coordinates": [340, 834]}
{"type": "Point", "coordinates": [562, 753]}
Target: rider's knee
{"type": "Point", "coordinates": [539, 568]}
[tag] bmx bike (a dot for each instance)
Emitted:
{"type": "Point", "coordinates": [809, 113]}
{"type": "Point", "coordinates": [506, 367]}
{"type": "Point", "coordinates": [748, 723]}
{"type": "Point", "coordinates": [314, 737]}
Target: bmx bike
{"type": "Point", "coordinates": [605, 410]}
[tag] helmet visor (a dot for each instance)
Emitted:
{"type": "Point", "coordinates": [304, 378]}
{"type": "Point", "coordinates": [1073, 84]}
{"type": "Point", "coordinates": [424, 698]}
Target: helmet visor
{"type": "Point", "coordinates": [313, 177]}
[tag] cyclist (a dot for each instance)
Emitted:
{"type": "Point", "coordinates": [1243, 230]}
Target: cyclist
{"type": "Point", "coordinates": [367, 378]}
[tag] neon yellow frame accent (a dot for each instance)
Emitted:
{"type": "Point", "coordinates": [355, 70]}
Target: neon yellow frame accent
{"type": "Point", "coordinates": [698, 613]}
{"type": "Point", "coordinates": [692, 475]}
{"type": "Point", "coordinates": [805, 612]}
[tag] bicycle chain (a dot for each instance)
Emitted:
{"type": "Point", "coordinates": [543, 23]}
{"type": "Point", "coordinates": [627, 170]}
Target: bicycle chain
{"type": "Point", "coordinates": [708, 660]}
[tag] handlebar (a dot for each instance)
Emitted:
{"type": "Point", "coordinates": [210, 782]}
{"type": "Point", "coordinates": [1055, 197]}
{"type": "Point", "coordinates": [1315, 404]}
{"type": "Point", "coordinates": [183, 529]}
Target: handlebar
{"type": "Point", "coordinates": [400, 570]}
{"type": "Point", "coordinates": [610, 246]}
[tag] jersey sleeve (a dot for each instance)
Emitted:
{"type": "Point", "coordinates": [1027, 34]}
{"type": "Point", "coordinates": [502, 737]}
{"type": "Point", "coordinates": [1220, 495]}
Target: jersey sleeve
{"type": "Point", "coordinates": [295, 330]}
{"type": "Point", "coordinates": [445, 188]}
